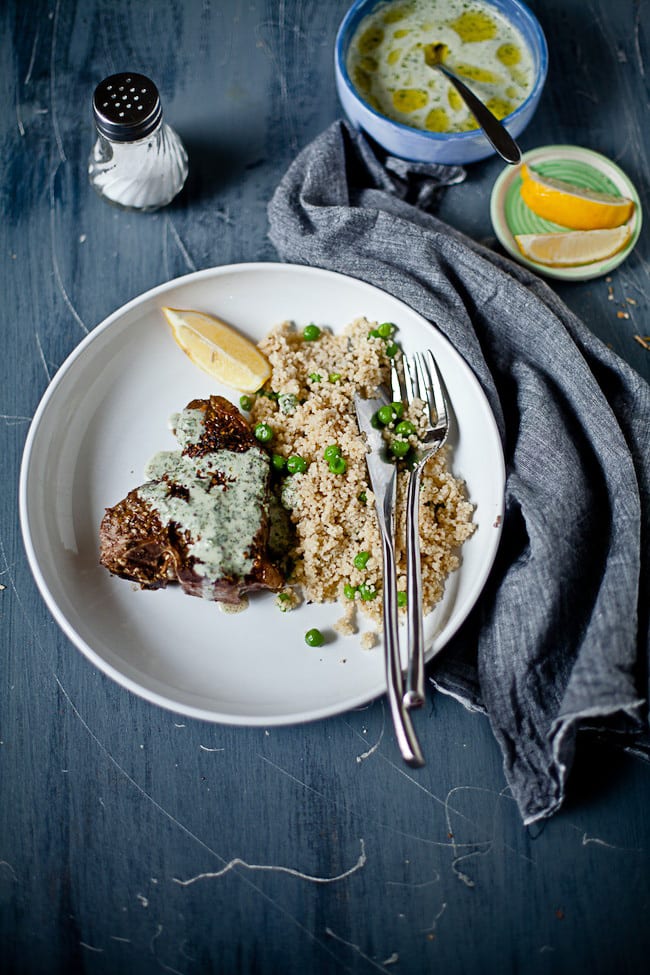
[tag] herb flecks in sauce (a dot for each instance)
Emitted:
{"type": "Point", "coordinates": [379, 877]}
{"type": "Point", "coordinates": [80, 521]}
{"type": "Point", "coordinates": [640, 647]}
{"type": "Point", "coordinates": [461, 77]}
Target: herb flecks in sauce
{"type": "Point", "coordinates": [475, 25]}
{"type": "Point", "coordinates": [499, 106]}
{"type": "Point", "coordinates": [474, 72]}
{"type": "Point", "coordinates": [509, 54]}
{"type": "Point", "coordinates": [387, 64]}
{"type": "Point", "coordinates": [409, 99]}
{"type": "Point", "coordinates": [218, 498]}
{"type": "Point", "coordinates": [437, 120]}
{"type": "Point", "coordinates": [370, 40]}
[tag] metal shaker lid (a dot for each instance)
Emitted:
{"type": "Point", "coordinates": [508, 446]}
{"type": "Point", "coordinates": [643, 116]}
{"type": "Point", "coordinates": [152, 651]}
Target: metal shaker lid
{"type": "Point", "coordinates": [126, 107]}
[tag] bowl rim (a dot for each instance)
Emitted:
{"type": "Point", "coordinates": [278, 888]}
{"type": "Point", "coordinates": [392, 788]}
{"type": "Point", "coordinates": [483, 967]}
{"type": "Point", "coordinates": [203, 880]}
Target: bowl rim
{"type": "Point", "coordinates": [439, 137]}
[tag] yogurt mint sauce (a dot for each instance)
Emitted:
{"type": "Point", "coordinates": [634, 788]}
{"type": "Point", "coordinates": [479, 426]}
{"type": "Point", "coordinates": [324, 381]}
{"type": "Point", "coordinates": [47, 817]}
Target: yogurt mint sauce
{"type": "Point", "coordinates": [386, 62]}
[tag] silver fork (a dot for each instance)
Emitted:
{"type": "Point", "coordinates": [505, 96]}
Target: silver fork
{"type": "Point", "coordinates": [422, 381]}
{"type": "Point", "coordinates": [383, 476]}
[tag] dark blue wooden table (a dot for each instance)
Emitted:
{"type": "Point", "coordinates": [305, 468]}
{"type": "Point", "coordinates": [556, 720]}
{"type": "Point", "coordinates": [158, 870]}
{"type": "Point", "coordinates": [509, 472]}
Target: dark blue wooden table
{"type": "Point", "coordinates": [135, 840]}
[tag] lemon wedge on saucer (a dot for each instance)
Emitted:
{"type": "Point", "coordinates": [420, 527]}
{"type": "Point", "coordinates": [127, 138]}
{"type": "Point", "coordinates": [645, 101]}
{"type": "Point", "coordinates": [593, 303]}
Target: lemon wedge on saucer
{"type": "Point", "coordinates": [219, 349]}
{"type": "Point", "coordinates": [572, 206]}
{"type": "Point", "coordinates": [573, 248]}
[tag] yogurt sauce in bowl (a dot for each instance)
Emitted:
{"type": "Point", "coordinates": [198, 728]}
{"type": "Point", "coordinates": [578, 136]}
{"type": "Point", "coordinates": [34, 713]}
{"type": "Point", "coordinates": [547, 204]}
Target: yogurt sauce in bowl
{"type": "Point", "coordinates": [386, 62]}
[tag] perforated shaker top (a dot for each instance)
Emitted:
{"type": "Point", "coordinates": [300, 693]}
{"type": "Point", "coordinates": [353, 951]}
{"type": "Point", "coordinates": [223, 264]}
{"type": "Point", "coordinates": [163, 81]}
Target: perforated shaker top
{"type": "Point", "coordinates": [126, 107]}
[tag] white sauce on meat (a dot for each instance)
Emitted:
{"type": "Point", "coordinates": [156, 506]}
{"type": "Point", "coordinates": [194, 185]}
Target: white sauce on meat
{"type": "Point", "coordinates": [219, 500]}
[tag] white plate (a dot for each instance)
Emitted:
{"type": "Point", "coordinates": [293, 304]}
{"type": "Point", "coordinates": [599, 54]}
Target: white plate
{"type": "Point", "coordinates": [105, 414]}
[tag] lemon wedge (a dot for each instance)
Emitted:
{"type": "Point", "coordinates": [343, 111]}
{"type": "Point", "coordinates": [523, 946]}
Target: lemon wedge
{"type": "Point", "coordinates": [219, 350]}
{"type": "Point", "coordinates": [572, 206]}
{"type": "Point", "coordinates": [573, 248]}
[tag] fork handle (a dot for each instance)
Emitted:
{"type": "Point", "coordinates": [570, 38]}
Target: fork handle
{"type": "Point", "coordinates": [404, 731]}
{"type": "Point", "coordinates": [414, 695]}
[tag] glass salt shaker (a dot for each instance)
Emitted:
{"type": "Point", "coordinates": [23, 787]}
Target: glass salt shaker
{"type": "Point", "coordinates": [138, 162]}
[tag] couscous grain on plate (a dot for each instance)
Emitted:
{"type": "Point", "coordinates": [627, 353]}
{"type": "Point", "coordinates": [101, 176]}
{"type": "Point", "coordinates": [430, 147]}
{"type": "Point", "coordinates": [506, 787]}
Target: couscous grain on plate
{"type": "Point", "coordinates": [319, 455]}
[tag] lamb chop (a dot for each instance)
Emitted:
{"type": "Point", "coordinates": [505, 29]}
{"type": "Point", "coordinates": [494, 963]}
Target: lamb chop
{"type": "Point", "coordinates": [202, 518]}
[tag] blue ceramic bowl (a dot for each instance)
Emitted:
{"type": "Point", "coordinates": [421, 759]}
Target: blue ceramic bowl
{"type": "Point", "coordinates": [453, 148]}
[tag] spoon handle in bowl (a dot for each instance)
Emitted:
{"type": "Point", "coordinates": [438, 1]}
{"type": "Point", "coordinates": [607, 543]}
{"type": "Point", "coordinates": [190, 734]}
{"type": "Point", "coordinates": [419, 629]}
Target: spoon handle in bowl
{"type": "Point", "coordinates": [496, 133]}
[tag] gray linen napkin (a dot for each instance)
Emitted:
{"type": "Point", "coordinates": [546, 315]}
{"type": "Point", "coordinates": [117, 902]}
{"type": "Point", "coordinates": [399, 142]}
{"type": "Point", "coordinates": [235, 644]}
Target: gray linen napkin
{"type": "Point", "coordinates": [559, 638]}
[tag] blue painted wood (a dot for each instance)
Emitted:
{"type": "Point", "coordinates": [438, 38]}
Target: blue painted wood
{"type": "Point", "coordinates": [133, 839]}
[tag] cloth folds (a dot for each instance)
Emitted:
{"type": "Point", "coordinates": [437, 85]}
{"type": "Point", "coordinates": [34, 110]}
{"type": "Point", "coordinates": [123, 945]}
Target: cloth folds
{"type": "Point", "coordinates": [558, 640]}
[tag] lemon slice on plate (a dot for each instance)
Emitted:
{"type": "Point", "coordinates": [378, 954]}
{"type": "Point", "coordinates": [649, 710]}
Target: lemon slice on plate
{"type": "Point", "coordinates": [219, 349]}
{"type": "Point", "coordinates": [573, 248]}
{"type": "Point", "coordinates": [577, 207]}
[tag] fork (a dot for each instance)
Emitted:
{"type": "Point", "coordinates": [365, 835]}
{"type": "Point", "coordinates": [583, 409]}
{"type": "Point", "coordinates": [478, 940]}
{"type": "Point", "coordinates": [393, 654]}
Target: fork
{"type": "Point", "coordinates": [422, 380]}
{"type": "Point", "coordinates": [383, 475]}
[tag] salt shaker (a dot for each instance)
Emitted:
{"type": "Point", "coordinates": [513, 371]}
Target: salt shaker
{"type": "Point", "coordinates": [138, 162]}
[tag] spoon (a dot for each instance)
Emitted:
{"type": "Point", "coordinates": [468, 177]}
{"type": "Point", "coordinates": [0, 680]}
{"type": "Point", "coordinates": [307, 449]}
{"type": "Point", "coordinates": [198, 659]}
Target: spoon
{"type": "Point", "coordinates": [497, 134]}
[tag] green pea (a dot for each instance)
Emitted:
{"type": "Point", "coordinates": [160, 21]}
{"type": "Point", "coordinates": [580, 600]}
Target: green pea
{"type": "Point", "coordinates": [399, 448]}
{"type": "Point", "coordinates": [367, 592]}
{"type": "Point", "coordinates": [374, 334]}
{"type": "Point", "coordinates": [314, 638]}
{"type": "Point", "coordinates": [349, 591]}
{"type": "Point", "coordinates": [296, 464]}
{"type": "Point", "coordinates": [392, 349]}
{"type": "Point", "coordinates": [331, 452]}
{"type": "Point", "coordinates": [245, 403]}
{"type": "Point", "coordinates": [398, 409]}
{"type": "Point", "coordinates": [335, 377]}
{"type": "Point", "coordinates": [263, 432]}
{"type": "Point", "coordinates": [311, 333]}
{"type": "Point", "coordinates": [362, 497]}
{"type": "Point", "coordinates": [401, 599]}
{"type": "Point", "coordinates": [279, 462]}
{"type": "Point", "coordinates": [385, 415]}
{"type": "Point", "coordinates": [404, 428]}
{"type": "Point", "coordinates": [338, 465]}
{"type": "Point", "coordinates": [386, 330]}
{"type": "Point", "coordinates": [315, 377]}
{"type": "Point", "coordinates": [360, 560]}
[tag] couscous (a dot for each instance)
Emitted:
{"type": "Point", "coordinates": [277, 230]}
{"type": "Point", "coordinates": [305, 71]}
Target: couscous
{"type": "Point", "coordinates": [305, 415]}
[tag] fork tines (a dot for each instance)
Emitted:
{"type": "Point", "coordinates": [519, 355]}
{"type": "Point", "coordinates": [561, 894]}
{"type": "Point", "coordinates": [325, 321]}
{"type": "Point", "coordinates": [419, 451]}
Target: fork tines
{"type": "Point", "coordinates": [421, 379]}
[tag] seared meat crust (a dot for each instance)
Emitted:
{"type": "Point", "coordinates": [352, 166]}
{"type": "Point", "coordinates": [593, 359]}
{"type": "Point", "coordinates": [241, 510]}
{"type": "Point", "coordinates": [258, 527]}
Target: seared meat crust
{"type": "Point", "coordinates": [136, 544]}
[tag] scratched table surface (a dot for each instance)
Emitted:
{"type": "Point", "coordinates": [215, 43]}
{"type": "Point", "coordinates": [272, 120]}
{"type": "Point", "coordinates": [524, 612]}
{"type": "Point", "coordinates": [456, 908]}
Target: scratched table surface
{"type": "Point", "coordinates": [133, 839]}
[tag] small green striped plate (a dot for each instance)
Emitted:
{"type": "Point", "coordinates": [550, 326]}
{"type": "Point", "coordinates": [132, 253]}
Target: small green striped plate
{"type": "Point", "coordinates": [582, 167]}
